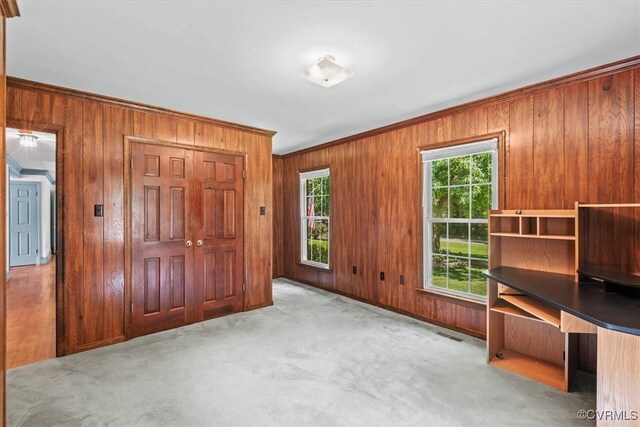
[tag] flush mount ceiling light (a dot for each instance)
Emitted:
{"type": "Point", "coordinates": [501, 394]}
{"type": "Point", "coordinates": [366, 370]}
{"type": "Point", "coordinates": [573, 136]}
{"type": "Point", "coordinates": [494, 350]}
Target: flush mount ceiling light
{"type": "Point", "coordinates": [28, 139]}
{"type": "Point", "coordinates": [326, 72]}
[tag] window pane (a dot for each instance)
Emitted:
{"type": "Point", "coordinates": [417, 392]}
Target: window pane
{"type": "Point", "coordinates": [440, 173]}
{"type": "Point", "coordinates": [479, 241]}
{"type": "Point", "coordinates": [461, 189]}
{"type": "Point", "coordinates": [459, 202]}
{"type": "Point", "coordinates": [440, 203]}
{"type": "Point", "coordinates": [325, 206]}
{"type": "Point", "coordinates": [318, 229]}
{"type": "Point", "coordinates": [317, 205]}
{"type": "Point", "coordinates": [481, 201]}
{"type": "Point", "coordinates": [324, 252]}
{"type": "Point", "coordinates": [309, 250]}
{"type": "Point", "coordinates": [439, 235]}
{"type": "Point", "coordinates": [439, 271]}
{"type": "Point", "coordinates": [459, 170]}
{"type": "Point", "coordinates": [478, 283]}
{"type": "Point", "coordinates": [458, 240]}
{"type": "Point", "coordinates": [311, 209]}
{"type": "Point", "coordinates": [325, 185]}
{"type": "Point", "coordinates": [482, 168]}
{"type": "Point", "coordinates": [458, 274]}
{"type": "Point", "coordinates": [309, 183]}
{"type": "Point", "coordinates": [318, 251]}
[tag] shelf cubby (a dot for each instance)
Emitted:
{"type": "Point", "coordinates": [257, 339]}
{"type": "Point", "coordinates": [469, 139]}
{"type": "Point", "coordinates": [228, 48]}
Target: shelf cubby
{"type": "Point", "coordinates": [505, 225]}
{"type": "Point", "coordinates": [529, 225]}
{"type": "Point", "coordinates": [557, 227]}
{"type": "Point", "coordinates": [530, 367]}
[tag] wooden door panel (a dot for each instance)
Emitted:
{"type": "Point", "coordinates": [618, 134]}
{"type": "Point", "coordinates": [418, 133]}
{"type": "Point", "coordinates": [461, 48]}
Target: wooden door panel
{"type": "Point", "coordinates": [151, 213]}
{"type": "Point", "coordinates": [219, 262]}
{"type": "Point", "coordinates": [176, 213]}
{"type": "Point", "coordinates": [220, 274]}
{"type": "Point", "coordinates": [209, 213]}
{"type": "Point", "coordinates": [151, 283]}
{"type": "Point", "coordinates": [162, 264]}
{"type": "Point", "coordinates": [229, 210]}
{"type": "Point", "coordinates": [177, 270]}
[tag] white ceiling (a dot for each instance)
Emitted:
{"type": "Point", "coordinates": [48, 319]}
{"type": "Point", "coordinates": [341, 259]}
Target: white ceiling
{"type": "Point", "coordinates": [42, 157]}
{"type": "Point", "coordinates": [240, 61]}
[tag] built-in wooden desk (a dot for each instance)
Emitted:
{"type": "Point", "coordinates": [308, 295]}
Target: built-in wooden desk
{"type": "Point", "coordinates": [542, 293]}
{"type": "Point", "coordinates": [615, 318]}
{"type": "Point", "coordinates": [586, 301]}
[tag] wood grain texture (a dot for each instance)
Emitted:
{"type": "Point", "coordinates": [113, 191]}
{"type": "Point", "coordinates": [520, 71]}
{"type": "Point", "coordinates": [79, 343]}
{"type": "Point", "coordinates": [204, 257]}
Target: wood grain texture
{"type": "Point", "coordinates": [611, 119]}
{"type": "Point", "coordinates": [61, 93]}
{"type": "Point", "coordinates": [9, 8]}
{"type": "Point", "coordinates": [520, 179]}
{"type": "Point", "coordinates": [571, 323]}
{"type": "Point", "coordinates": [576, 144]}
{"type": "Point", "coordinates": [548, 140]}
{"type": "Point", "coordinates": [92, 302]}
{"type": "Point", "coordinates": [618, 377]}
{"type": "Point", "coordinates": [113, 250]}
{"type": "Point", "coordinates": [278, 217]}
{"type": "Point", "coordinates": [552, 133]}
{"type": "Point", "coordinates": [93, 227]}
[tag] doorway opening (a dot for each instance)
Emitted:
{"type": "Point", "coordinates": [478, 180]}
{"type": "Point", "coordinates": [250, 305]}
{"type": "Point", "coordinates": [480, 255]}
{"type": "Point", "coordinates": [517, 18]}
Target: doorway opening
{"type": "Point", "coordinates": [31, 224]}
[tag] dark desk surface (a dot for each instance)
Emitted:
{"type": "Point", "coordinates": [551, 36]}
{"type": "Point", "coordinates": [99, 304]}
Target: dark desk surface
{"type": "Point", "coordinates": [586, 301]}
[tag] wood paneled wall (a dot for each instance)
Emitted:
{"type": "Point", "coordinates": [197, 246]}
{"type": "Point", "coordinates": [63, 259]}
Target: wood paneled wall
{"type": "Point", "coordinates": [278, 206]}
{"type": "Point", "coordinates": [566, 140]}
{"type": "Point", "coordinates": [91, 171]}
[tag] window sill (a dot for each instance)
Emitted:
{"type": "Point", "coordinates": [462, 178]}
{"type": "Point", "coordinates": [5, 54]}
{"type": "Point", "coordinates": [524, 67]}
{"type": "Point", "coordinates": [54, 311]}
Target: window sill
{"type": "Point", "coordinates": [455, 299]}
{"type": "Point", "coordinates": [317, 267]}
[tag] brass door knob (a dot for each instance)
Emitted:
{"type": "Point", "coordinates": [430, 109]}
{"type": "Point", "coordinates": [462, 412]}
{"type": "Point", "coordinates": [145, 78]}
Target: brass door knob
{"type": "Point", "coordinates": [189, 243]}
{"type": "Point", "coordinates": [199, 243]}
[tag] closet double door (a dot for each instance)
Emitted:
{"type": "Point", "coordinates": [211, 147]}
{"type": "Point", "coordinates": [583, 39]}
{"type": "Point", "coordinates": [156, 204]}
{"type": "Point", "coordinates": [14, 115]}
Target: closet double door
{"type": "Point", "coordinates": [187, 236]}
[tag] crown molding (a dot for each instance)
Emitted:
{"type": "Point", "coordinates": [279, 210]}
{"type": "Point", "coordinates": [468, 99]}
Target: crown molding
{"type": "Point", "coordinates": [581, 76]}
{"type": "Point", "coordinates": [9, 8]}
{"type": "Point", "coordinates": [18, 83]}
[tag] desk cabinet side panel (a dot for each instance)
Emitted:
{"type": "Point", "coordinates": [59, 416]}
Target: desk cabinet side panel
{"type": "Point", "coordinates": [618, 378]}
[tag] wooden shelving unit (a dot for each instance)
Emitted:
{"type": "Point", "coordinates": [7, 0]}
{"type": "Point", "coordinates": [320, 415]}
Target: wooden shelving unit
{"type": "Point", "coordinates": [556, 224]}
{"type": "Point", "coordinates": [531, 367]}
{"type": "Point", "coordinates": [523, 333]}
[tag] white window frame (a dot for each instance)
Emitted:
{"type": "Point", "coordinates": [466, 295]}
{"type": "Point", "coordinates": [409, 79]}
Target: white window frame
{"type": "Point", "coordinates": [428, 156]}
{"type": "Point", "coordinates": [304, 176]}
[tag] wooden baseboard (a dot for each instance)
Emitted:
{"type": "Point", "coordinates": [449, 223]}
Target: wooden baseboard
{"type": "Point", "coordinates": [396, 310]}
{"type": "Point", "coordinates": [93, 345]}
{"type": "Point", "coordinates": [256, 307]}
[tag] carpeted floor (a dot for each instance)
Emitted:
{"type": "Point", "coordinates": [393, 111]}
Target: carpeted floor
{"type": "Point", "coordinates": [314, 358]}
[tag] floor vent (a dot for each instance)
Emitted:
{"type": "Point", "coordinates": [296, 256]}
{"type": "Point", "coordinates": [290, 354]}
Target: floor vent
{"type": "Point", "coordinates": [451, 337]}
